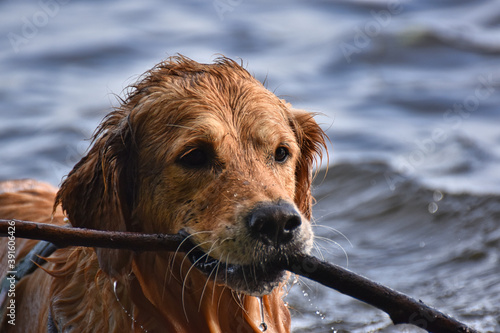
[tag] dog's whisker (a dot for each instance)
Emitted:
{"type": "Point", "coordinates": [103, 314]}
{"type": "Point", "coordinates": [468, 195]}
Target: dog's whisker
{"type": "Point", "coordinates": [187, 253]}
{"type": "Point", "coordinates": [328, 240]}
{"type": "Point", "coordinates": [212, 247]}
{"type": "Point", "coordinates": [221, 295]}
{"type": "Point", "coordinates": [237, 297]}
{"type": "Point", "coordinates": [318, 249]}
{"type": "Point", "coordinates": [209, 275]}
{"type": "Point", "coordinates": [226, 239]}
{"type": "Point", "coordinates": [193, 265]}
{"type": "Point", "coordinates": [214, 281]}
{"type": "Point", "coordinates": [306, 284]}
{"type": "Point", "coordinates": [245, 278]}
{"type": "Point", "coordinates": [207, 280]}
{"type": "Point", "coordinates": [168, 274]}
{"type": "Point", "coordinates": [225, 286]}
{"type": "Point", "coordinates": [184, 278]}
{"type": "Point", "coordinates": [334, 230]}
{"type": "Point", "coordinates": [187, 238]}
{"type": "Point", "coordinates": [216, 275]}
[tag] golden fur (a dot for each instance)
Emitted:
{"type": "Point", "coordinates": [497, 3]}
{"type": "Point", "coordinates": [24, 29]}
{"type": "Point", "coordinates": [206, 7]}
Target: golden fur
{"type": "Point", "coordinates": [202, 149]}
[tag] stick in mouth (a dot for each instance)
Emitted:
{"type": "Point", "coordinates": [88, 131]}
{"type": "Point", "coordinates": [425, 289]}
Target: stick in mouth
{"type": "Point", "coordinates": [401, 308]}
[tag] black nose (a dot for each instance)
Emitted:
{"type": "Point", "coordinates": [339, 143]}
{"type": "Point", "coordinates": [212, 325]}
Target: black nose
{"type": "Point", "coordinates": [274, 222]}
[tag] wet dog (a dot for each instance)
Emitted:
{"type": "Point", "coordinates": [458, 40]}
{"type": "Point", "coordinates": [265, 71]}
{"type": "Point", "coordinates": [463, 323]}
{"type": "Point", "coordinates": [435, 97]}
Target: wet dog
{"type": "Point", "coordinates": [202, 150]}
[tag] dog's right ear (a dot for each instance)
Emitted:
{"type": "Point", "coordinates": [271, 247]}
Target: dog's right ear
{"type": "Point", "coordinates": [99, 192]}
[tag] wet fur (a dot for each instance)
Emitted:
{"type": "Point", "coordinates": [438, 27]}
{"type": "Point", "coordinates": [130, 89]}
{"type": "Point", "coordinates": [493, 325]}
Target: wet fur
{"type": "Point", "coordinates": [131, 180]}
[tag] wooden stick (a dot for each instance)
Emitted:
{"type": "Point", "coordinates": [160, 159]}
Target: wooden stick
{"type": "Point", "coordinates": [64, 236]}
{"type": "Point", "coordinates": [400, 308]}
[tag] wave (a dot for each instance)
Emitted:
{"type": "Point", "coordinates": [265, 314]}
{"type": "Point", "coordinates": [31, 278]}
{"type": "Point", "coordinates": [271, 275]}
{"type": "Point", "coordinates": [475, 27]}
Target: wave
{"type": "Point", "coordinates": [432, 244]}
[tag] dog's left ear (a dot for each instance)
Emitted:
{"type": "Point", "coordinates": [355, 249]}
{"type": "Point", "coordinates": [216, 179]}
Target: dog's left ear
{"type": "Point", "coordinates": [312, 142]}
{"type": "Point", "coordinates": [98, 192]}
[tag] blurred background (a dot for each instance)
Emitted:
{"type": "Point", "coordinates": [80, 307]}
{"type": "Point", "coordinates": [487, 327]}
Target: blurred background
{"type": "Point", "coordinates": [408, 91]}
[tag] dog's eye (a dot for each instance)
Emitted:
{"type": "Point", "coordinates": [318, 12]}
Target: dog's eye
{"type": "Point", "coordinates": [194, 158]}
{"type": "Point", "coordinates": [281, 154]}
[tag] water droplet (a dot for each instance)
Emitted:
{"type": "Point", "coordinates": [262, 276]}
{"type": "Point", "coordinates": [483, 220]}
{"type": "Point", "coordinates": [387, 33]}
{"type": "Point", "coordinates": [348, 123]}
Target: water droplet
{"type": "Point", "coordinates": [115, 287]}
{"type": "Point", "coordinates": [115, 282]}
{"type": "Point", "coordinates": [437, 196]}
{"type": "Point", "coordinates": [433, 207]}
{"type": "Point", "coordinates": [320, 314]}
{"type": "Point", "coordinates": [263, 325]}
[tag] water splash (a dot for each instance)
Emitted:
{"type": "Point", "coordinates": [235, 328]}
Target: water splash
{"type": "Point", "coordinates": [437, 195]}
{"type": "Point", "coordinates": [115, 285]}
{"type": "Point", "coordinates": [433, 207]}
{"type": "Point", "coordinates": [263, 325]}
{"type": "Point", "coordinates": [320, 314]}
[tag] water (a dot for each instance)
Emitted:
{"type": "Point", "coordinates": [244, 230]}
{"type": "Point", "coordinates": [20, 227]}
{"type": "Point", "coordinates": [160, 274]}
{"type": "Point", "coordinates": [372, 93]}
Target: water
{"type": "Point", "coordinates": [125, 311]}
{"type": "Point", "coordinates": [447, 257]}
{"type": "Point", "coordinates": [263, 325]}
{"type": "Point", "coordinates": [409, 96]}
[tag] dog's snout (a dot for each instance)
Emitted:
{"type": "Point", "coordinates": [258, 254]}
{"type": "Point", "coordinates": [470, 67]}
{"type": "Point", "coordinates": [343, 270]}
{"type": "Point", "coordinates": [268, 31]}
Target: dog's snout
{"type": "Point", "coordinates": [274, 223]}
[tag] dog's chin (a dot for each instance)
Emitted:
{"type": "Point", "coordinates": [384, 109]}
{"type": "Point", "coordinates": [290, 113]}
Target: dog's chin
{"type": "Point", "coordinates": [254, 280]}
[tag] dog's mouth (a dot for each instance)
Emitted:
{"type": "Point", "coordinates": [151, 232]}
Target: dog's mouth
{"type": "Point", "coordinates": [255, 279]}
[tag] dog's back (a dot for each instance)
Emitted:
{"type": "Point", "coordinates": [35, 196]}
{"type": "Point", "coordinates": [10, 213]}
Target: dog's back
{"type": "Point", "coordinates": [26, 200]}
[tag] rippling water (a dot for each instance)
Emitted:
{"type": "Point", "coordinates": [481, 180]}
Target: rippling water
{"type": "Point", "coordinates": [408, 91]}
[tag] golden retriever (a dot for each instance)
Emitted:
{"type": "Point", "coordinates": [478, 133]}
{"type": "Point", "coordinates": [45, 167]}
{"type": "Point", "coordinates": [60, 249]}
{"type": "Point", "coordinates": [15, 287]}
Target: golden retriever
{"type": "Point", "coordinates": [204, 150]}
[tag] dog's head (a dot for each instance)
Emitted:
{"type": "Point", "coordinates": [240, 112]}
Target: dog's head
{"type": "Point", "coordinates": [207, 151]}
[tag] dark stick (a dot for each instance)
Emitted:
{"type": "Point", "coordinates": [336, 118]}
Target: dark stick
{"type": "Point", "coordinates": [400, 308]}
{"type": "Point", "coordinates": [64, 236]}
